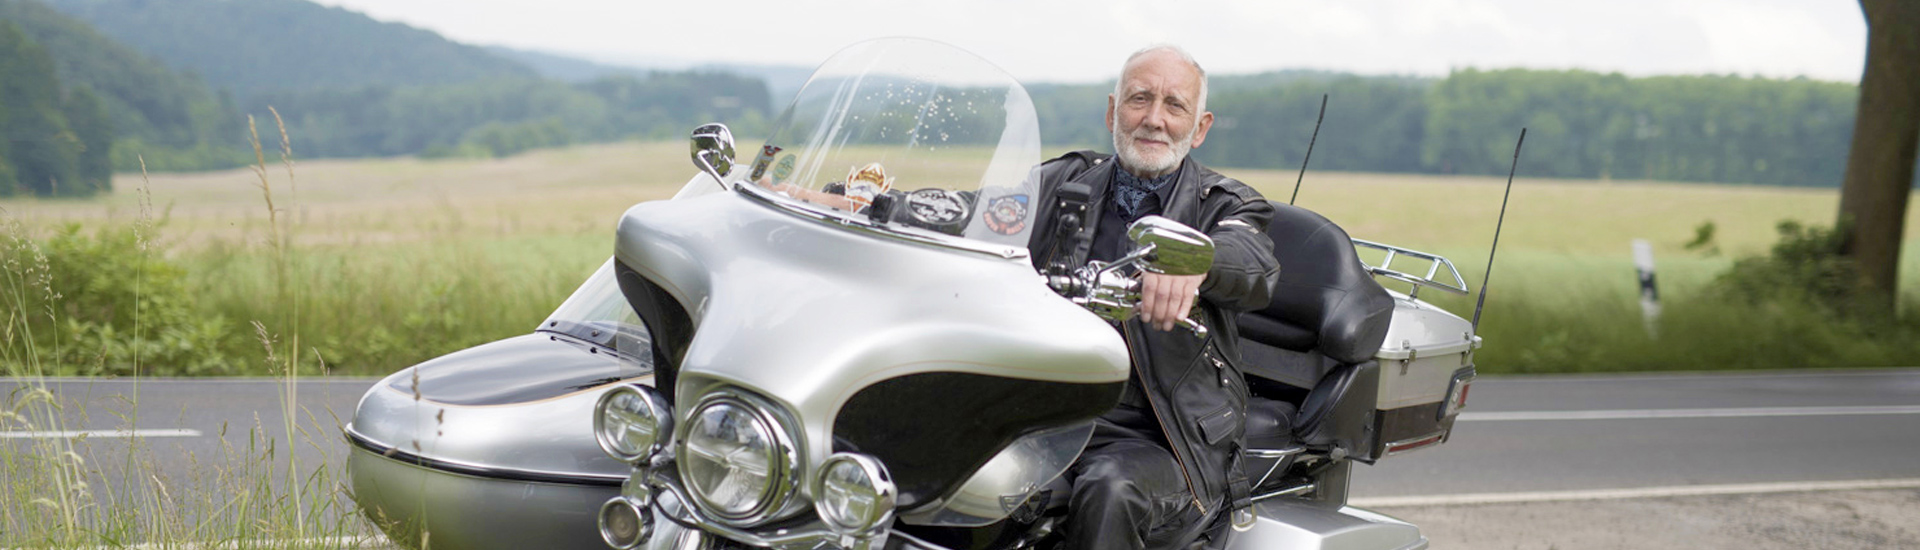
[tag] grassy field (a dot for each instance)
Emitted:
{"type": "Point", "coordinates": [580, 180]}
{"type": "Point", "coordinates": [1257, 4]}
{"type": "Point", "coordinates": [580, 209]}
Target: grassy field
{"type": "Point", "coordinates": [442, 254]}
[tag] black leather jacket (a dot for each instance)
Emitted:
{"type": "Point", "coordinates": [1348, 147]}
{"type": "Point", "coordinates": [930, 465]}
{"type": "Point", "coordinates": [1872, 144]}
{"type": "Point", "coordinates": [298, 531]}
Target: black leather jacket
{"type": "Point", "coordinates": [1195, 385]}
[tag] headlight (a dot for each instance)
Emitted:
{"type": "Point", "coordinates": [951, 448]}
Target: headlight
{"type": "Point", "coordinates": [853, 493]}
{"type": "Point", "coordinates": [632, 423]}
{"type": "Point", "coordinates": [737, 460]}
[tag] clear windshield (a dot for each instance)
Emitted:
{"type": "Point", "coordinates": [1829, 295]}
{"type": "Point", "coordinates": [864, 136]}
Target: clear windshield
{"type": "Point", "coordinates": [946, 137]}
{"type": "Point", "coordinates": [598, 313]}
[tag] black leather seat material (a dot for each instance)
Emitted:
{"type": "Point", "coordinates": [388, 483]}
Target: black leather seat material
{"type": "Point", "coordinates": [1297, 369]}
{"type": "Point", "coordinates": [1326, 300]}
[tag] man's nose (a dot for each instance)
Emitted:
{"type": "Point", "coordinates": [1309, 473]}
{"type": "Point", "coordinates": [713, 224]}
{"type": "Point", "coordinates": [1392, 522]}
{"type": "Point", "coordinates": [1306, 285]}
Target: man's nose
{"type": "Point", "coordinates": [1155, 119]}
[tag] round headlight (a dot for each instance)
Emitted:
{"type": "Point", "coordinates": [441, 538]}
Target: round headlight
{"type": "Point", "coordinates": [632, 423]}
{"type": "Point", "coordinates": [853, 493]}
{"type": "Point", "coordinates": [736, 460]}
{"type": "Point", "coordinates": [624, 523]}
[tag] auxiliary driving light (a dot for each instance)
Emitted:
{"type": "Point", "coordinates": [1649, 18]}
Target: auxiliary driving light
{"type": "Point", "coordinates": [624, 523]}
{"type": "Point", "coordinates": [632, 423]}
{"type": "Point", "coordinates": [853, 493]}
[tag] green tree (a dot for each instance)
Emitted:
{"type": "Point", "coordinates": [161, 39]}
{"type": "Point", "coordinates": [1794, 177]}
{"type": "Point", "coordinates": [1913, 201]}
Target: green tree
{"type": "Point", "coordinates": [42, 149]}
{"type": "Point", "coordinates": [1880, 168]}
{"type": "Point", "coordinates": [88, 119]}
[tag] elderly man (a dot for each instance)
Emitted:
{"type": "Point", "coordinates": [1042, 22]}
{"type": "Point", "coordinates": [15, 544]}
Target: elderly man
{"type": "Point", "coordinates": [1163, 465]}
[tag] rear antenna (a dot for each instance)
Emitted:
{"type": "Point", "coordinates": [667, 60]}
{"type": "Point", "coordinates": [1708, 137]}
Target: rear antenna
{"type": "Point", "coordinates": [1486, 279]}
{"type": "Point", "coordinates": [1316, 137]}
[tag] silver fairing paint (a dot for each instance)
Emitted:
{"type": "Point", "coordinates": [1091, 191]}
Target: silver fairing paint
{"type": "Point", "coordinates": [807, 312]}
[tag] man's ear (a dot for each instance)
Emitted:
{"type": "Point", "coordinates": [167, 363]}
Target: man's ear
{"type": "Point", "coordinates": [1201, 126]}
{"type": "Point", "coordinates": [1109, 113]}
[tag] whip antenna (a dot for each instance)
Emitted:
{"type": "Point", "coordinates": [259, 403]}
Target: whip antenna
{"type": "Point", "coordinates": [1486, 279]}
{"type": "Point", "coordinates": [1316, 137]}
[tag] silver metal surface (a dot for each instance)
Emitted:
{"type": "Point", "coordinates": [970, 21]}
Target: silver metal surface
{"type": "Point", "coordinates": [671, 501]}
{"type": "Point", "coordinates": [1435, 262]}
{"type": "Point", "coordinates": [1007, 480]}
{"type": "Point", "coordinates": [552, 436]}
{"type": "Point", "coordinates": [1298, 526]}
{"type": "Point", "coordinates": [845, 309]}
{"type": "Point", "coordinates": [1177, 249]}
{"type": "Point", "coordinates": [461, 512]}
{"type": "Point", "coordinates": [712, 148]}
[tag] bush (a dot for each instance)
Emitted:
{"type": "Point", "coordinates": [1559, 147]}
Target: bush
{"type": "Point", "coordinates": [107, 304]}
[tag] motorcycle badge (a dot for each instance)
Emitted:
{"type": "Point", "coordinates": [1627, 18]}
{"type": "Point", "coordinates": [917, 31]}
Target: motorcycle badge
{"type": "Point", "coordinates": [863, 184]}
{"type": "Point", "coordinates": [783, 169]}
{"type": "Point", "coordinates": [1007, 215]}
{"type": "Point", "coordinates": [760, 163]}
{"type": "Point", "coordinates": [935, 207]}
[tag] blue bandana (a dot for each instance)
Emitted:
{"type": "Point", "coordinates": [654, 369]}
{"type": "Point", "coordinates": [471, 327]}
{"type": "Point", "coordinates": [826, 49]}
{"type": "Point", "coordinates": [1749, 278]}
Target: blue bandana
{"type": "Point", "coordinates": [1129, 190]}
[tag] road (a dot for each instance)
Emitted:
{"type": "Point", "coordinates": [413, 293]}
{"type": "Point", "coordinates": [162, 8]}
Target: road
{"type": "Point", "coordinates": [1548, 436]}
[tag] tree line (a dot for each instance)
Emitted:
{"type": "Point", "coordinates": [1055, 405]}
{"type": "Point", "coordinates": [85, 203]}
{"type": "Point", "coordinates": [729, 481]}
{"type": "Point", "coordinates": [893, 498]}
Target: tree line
{"type": "Point", "coordinates": [1581, 124]}
{"type": "Point", "coordinates": [53, 142]}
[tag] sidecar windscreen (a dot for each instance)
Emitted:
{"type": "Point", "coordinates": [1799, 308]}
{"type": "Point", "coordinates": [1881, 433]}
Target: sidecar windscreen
{"type": "Point", "coordinates": [598, 313]}
{"type": "Point", "coordinates": [946, 137]}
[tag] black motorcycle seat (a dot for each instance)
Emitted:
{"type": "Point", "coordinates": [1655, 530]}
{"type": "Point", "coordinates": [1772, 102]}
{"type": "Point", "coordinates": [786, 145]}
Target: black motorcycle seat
{"type": "Point", "coordinates": [1326, 301]}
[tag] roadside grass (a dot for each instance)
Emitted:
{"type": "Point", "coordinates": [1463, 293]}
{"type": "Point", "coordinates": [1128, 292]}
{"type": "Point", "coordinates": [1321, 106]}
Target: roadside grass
{"type": "Point", "coordinates": [104, 491]}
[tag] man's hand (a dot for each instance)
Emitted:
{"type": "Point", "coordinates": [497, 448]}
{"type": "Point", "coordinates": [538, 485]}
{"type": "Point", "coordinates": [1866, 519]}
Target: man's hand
{"type": "Point", "coordinates": [1166, 299]}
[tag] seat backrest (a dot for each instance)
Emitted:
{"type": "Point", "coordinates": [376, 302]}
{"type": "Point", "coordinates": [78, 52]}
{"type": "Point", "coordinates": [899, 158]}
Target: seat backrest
{"type": "Point", "coordinates": [1326, 300]}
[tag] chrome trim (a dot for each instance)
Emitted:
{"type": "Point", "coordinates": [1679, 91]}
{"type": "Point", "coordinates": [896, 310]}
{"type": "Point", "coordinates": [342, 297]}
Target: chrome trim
{"type": "Point", "coordinates": [655, 405]}
{"type": "Point", "coordinates": [1385, 269]}
{"type": "Point", "coordinates": [712, 147]}
{"type": "Point", "coordinates": [1412, 444]}
{"type": "Point", "coordinates": [1290, 491]}
{"type": "Point", "coordinates": [356, 439]}
{"type": "Point", "coordinates": [673, 502]}
{"type": "Point", "coordinates": [1276, 454]}
{"type": "Point", "coordinates": [837, 219]}
{"type": "Point", "coordinates": [643, 520]}
{"type": "Point", "coordinates": [877, 476]}
{"type": "Point", "coordinates": [783, 482]}
{"type": "Point", "coordinates": [1457, 390]}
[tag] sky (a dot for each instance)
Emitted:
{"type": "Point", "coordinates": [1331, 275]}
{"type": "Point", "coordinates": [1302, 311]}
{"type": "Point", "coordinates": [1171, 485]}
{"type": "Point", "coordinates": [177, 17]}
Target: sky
{"type": "Point", "coordinates": [1086, 40]}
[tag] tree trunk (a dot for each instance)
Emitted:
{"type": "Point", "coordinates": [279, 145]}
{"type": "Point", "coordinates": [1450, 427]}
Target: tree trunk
{"type": "Point", "coordinates": [1886, 135]}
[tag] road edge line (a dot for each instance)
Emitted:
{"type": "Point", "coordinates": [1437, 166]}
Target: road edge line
{"type": "Point", "coordinates": [1636, 493]}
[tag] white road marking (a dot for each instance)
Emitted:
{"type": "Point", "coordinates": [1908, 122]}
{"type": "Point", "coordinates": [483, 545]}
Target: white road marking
{"type": "Point", "coordinates": [1644, 492]}
{"type": "Point", "coordinates": [100, 433]}
{"type": "Point", "coordinates": [1622, 414]}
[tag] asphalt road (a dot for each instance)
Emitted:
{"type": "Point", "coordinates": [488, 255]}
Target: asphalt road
{"type": "Point", "coordinates": [1519, 435]}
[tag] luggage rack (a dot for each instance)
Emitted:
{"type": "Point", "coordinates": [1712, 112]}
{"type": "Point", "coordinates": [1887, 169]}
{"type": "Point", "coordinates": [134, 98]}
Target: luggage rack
{"type": "Point", "coordinates": [1435, 262]}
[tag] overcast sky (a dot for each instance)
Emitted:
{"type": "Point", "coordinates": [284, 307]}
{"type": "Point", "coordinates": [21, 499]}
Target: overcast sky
{"type": "Point", "coordinates": [1085, 40]}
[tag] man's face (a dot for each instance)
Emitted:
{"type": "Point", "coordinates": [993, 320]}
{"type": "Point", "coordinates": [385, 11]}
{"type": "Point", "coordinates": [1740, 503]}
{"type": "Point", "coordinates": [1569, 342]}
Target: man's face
{"type": "Point", "coordinates": [1156, 118]}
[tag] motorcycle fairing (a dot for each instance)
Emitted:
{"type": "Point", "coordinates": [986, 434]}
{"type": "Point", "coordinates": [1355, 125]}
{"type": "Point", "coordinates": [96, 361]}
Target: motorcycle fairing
{"type": "Point", "coordinates": [808, 312]}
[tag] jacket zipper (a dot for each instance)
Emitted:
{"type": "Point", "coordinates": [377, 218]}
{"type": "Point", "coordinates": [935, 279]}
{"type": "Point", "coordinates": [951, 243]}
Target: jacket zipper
{"type": "Point", "coordinates": [1155, 405]}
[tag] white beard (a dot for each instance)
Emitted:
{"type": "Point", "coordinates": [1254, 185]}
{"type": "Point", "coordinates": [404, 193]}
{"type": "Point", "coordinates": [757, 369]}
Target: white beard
{"type": "Point", "coordinates": [1134, 160]}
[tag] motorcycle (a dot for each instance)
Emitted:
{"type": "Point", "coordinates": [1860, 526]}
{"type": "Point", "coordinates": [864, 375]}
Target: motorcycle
{"type": "Point", "coordinates": [785, 355]}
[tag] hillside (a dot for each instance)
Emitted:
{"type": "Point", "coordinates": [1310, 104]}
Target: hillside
{"type": "Point", "coordinates": [254, 46]}
{"type": "Point", "coordinates": [174, 120]}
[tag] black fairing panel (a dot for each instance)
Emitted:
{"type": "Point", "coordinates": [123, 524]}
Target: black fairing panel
{"type": "Point", "coordinates": [1326, 301]}
{"type": "Point", "coordinates": [932, 430]}
{"type": "Point", "coordinates": [516, 370]}
{"type": "Point", "coordinates": [672, 328]}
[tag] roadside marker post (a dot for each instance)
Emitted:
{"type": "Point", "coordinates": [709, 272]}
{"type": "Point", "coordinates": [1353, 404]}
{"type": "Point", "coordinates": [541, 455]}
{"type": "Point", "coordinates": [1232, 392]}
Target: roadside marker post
{"type": "Point", "coordinates": [1649, 292]}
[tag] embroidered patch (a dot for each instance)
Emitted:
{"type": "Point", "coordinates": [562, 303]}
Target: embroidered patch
{"type": "Point", "coordinates": [935, 206]}
{"type": "Point", "coordinates": [1007, 215]}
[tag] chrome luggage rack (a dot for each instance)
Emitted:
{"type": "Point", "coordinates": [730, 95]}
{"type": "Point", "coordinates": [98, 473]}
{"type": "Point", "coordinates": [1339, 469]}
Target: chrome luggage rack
{"type": "Point", "coordinates": [1434, 263]}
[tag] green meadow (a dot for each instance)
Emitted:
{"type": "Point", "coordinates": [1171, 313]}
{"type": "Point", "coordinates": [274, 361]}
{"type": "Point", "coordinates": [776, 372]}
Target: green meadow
{"type": "Point", "coordinates": [391, 261]}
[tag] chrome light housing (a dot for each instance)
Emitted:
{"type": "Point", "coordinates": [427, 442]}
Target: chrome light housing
{"type": "Point", "coordinates": [625, 523]}
{"type": "Point", "coordinates": [737, 460]}
{"type": "Point", "coordinates": [632, 423]}
{"type": "Point", "coordinates": [853, 493]}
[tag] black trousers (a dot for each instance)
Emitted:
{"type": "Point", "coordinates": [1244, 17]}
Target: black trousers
{"type": "Point", "coordinates": [1128, 490]}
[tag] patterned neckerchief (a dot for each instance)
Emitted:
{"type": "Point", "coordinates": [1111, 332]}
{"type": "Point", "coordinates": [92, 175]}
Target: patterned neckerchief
{"type": "Point", "coordinates": [1129, 190]}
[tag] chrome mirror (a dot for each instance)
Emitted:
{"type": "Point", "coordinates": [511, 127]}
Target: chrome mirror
{"type": "Point", "coordinates": [712, 148]}
{"type": "Point", "coordinates": [1175, 248]}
